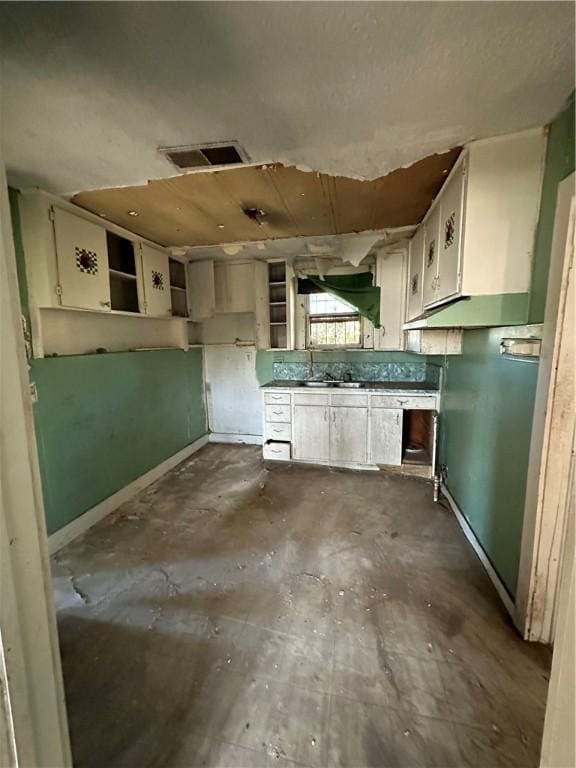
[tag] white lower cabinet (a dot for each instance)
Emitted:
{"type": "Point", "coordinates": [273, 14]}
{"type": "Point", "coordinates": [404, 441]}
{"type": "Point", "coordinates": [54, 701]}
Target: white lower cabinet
{"type": "Point", "coordinates": [386, 436]}
{"type": "Point", "coordinates": [311, 432]}
{"type": "Point", "coordinates": [339, 428]}
{"type": "Point", "coordinates": [348, 432]}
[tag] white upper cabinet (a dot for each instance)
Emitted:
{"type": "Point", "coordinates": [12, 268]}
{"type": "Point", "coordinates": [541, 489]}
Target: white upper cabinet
{"type": "Point", "coordinates": [156, 281]}
{"type": "Point", "coordinates": [234, 287]}
{"type": "Point", "coordinates": [479, 233]}
{"type": "Point", "coordinates": [261, 305]}
{"type": "Point", "coordinates": [391, 278]}
{"type": "Point", "coordinates": [450, 235]}
{"type": "Point", "coordinates": [415, 266]}
{"type": "Point", "coordinates": [430, 271]}
{"type": "Point", "coordinates": [201, 290]}
{"type": "Point", "coordinates": [82, 259]}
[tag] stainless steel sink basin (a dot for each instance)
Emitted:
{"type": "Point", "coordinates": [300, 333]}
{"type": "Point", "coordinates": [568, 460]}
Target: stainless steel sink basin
{"type": "Point", "coordinates": [339, 384]}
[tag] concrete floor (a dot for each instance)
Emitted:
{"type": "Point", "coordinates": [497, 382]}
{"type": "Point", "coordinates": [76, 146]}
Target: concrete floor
{"type": "Point", "coordinates": [237, 615]}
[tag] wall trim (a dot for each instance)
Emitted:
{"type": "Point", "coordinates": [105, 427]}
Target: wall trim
{"type": "Point", "coordinates": [477, 547]}
{"type": "Point", "coordinates": [81, 524]}
{"type": "Point", "coordinates": [223, 437]}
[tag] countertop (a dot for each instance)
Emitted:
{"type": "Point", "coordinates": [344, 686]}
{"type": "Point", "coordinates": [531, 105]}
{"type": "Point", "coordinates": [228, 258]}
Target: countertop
{"type": "Point", "coordinates": [382, 387]}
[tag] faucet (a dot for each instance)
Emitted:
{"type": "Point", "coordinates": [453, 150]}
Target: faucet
{"type": "Point", "coordinates": [310, 364]}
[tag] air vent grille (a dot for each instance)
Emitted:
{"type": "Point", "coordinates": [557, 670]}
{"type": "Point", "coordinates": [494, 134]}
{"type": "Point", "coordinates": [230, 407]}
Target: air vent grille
{"type": "Point", "coordinates": [187, 158]}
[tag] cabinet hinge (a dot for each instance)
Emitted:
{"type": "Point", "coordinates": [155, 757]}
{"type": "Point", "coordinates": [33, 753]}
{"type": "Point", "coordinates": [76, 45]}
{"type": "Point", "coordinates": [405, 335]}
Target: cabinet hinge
{"type": "Point", "coordinates": [58, 290]}
{"type": "Point", "coordinates": [51, 214]}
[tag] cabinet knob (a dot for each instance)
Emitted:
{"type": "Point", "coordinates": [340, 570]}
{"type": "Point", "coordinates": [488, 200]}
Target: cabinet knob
{"type": "Point", "coordinates": [105, 303]}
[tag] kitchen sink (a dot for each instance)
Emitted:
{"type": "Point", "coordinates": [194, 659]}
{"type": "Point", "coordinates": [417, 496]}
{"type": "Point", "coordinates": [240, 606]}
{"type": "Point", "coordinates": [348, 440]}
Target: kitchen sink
{"type": "Point", "coordinates": [320, 384]}
{"type": "Point", "coordinates": [339, 384]}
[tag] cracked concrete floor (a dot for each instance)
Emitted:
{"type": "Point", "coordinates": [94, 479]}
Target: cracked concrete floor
{"type": "Point", "coordinates": [240, 615]}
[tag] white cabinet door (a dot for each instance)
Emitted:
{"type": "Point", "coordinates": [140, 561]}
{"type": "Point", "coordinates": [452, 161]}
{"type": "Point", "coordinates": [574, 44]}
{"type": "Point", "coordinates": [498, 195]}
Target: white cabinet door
{"type": "Point", "coordinates": [348, 434]}
{"type": "Point", "coordinates": [415, 268]}
{"type": "Point", "coordinates": [449, 250]}
{"type": "Point", "coordinates": [261, 305]}
{"type": "Point", "coordinates": [431, 248]}
{"type": "Point", "coordinates": [386, 436]}
{"type": "Point", "coordinates": [201, 290]}
{"type": "Point", "coordinates": [156, 281]}
{"type": "Point", "coordinates": [234, 288]}
{"type": "Point", "coordinates": [82, 256]}
{"type": "Point", "coordinates": [311, 433]}
{"type": "Point", "coordinates": [391, 278]}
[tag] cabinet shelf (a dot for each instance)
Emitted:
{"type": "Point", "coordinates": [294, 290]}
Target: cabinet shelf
{"type": "Point", "coordinates": [122, 275]}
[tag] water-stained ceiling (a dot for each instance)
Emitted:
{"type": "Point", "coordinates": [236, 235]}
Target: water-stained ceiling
{"type": "Point", "coordinates": [269, 202]}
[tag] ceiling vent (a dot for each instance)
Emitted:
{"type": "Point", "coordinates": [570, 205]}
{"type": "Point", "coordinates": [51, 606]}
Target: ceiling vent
{"type": "Point", "coordinates": [219, 154]}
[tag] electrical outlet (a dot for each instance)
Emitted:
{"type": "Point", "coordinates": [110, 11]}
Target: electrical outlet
{"type": "Point", "coordinates": [33, 392]}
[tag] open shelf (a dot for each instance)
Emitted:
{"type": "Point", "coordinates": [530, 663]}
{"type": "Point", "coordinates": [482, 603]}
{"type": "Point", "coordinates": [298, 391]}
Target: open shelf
{"type": "Point", "coordinates": [122, 273]}
{"type": "Point", "coordinates": [178, 288]}
{"type": "Point", "coordinates": [278, 304]}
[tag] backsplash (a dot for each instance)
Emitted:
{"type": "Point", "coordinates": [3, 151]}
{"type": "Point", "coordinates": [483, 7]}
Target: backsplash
{"type": "Point", "coordinates": [357, 371]}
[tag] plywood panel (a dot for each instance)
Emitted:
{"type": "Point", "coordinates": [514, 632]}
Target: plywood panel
{"type": "Point", "coordinates": [206, 208]}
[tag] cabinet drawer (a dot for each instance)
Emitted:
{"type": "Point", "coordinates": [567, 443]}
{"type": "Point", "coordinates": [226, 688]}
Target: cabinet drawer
{"type": "Point", "coordinates": [409, 402]}
{"type": "Point", "coordinates": [277, 413]}
{"type": "Point", "coordinates": [311, 398]}
{"type": "Point", "coordinates": [352, 401]}
{"type": "Point", "coordinates": [278, 432]}
{"type": "Point", "coordinates": [277, 398]}
{"type": "Point", "coordinates": [276, 451]}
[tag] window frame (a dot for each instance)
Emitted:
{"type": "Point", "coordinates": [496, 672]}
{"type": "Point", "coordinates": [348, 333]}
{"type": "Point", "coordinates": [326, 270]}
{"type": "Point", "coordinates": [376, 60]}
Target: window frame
{"type": "Point", "coordinates": [332, 317]}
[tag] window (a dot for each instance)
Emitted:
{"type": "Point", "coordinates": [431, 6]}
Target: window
{"type": "Point", "coordinates": [332, 322]}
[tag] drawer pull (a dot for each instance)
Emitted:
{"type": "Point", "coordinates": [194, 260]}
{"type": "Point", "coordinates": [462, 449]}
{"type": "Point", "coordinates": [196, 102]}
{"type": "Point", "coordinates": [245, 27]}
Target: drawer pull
{"type": "Point", "coordinates": [277, 430]}
{"type": "Point", "coordinates": [277, 413]}
{"type": "Point", "coordinates": [276, 397]}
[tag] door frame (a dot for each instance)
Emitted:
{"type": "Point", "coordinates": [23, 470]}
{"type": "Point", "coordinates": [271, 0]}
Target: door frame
{"type": "Point", "coordinates": [553, 426]}
{"type": "Point", "coordinates": [33, 723]}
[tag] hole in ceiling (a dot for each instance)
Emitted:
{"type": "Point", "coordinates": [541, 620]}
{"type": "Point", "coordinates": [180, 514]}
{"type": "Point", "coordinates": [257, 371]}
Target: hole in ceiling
{"type": "Point", "coordinates": [202, 156]}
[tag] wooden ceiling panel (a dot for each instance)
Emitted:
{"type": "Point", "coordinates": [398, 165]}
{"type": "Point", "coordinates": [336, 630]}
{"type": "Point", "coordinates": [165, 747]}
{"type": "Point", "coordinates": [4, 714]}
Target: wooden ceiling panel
{"type": "Point", "coordinates": [395, 196]}
{"type": "Point", "coordinates": [306, 198]}
{"type": "Point", "coordinates": [206, 208]}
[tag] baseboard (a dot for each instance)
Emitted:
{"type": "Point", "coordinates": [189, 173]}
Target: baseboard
{"type": "Point", "coordinates": [477, 547]}
{"type": "Point", "coordinates": [81, 524]}
{"type": "Point", "coordinates": [223, 437]}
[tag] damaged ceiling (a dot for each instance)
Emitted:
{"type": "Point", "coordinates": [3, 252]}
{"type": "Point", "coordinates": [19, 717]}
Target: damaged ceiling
{"type": "Point", "coordinates": [350, 249]}
{"type": "Point", "coordinates": [269, 202]}
{"type": "Point", "coordinates": [92, 90]}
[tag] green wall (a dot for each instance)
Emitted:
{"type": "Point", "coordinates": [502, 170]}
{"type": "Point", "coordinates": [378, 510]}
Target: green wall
{"type": "Point", "coordinates": [485, 425]}
{"type": "Point", "coordinates": [488, 400]}
{"type": "Point", "coordinates": [559, 164]}
{"type": "Point", "coordinates": [104, 420]}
